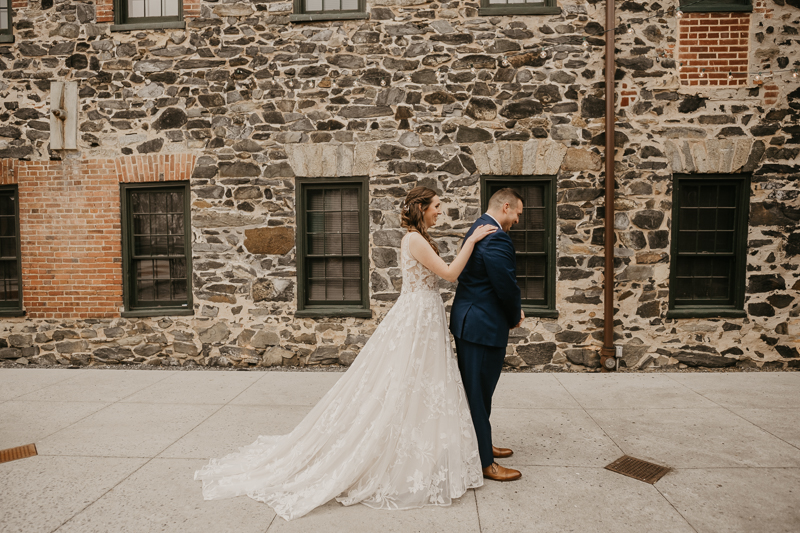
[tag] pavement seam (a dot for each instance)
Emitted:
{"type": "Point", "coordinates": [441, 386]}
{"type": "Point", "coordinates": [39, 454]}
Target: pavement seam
{"type": "Point", "coordinates": [591, 417]}
{"type": "Point", "coordinates": [44, 386]}
{"type": "Point", "coordinates": [149, 460]}
{"type": "Point", "coordinates": [740, 416]}
{"type": "Point", "coordinates": [676, 509]}
{"type": "Point", "coordinates": [477, 509]}
{"type": "Point", "coordinates": [92, 414]}
{"type": "Point", "coordinates": [271, 522]}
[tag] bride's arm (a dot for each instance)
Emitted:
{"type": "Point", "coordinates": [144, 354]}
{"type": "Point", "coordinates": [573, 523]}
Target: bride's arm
{"type": "Point", "coordinates": [422, 252]}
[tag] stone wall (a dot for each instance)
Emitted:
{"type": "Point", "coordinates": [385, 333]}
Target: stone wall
{"type": "Point", "coordinates": [428, 94]}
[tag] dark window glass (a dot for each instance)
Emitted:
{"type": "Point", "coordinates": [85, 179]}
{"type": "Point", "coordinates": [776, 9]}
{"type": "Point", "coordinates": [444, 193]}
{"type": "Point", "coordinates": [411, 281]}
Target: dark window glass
{"type": "Point", "coordinates": [709, 226]}
{"type": "Point", "coordinates": [500, 7]}
{"type": "Point", "coordinates": [333, 260]}
{"type": "Point", "coordinates": [533, 238]}
{"type": "Point", "coordinates": [10, 275]}
{"type": "Point", "coordinates": [702, 6]}
{"type": "Point", "coordinates": [158, 251]}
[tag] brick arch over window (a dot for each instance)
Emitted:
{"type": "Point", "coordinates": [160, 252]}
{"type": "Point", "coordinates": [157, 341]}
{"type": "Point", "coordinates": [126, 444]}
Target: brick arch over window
{"type": "Point", "coordinates": [105, 9]}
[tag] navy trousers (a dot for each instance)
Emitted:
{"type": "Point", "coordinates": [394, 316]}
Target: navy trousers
{"type": "Point", "coordinates": [480, 367]}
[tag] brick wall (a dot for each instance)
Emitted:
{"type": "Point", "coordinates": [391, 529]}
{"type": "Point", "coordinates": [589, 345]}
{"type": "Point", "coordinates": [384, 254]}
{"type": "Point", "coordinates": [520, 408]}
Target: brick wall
{"type": "Point", "coordinates": [105, 9]}
{"type": "Point", "coordinates": [70, 229]}
{"type": "Point", "coordinates": [70, 238]}
{"type": "Point", "coordinates": [712, 45]}
{"type": "Point", "coordinates": [19, 4]}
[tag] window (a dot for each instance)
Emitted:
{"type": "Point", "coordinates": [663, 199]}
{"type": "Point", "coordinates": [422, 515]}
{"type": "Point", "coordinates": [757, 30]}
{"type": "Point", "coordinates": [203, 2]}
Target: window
{"type": "Point", "coordinates": [311, 10]}
{"type": "Point", "coordinates": [709, 232]}
{"type": "Point", "coordinates": [519, 7]}
{"type": "Point", "coordinates": [10, 268]}
{"type": "Point", "coordinates": [156, 250]}
{"type": "Point", "coordinates": [332, 240]}
{"type": "Point", "coordinates": [6, 35]}
{"type": "Point", "coordinates": [710, 6]}
{"type": "Point", "coordinates": [533, 238]}
{"type": "Point", "coordinates": [135, 14]}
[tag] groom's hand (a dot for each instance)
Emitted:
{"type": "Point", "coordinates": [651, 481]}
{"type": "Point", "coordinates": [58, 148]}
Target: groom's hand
{"type": "Point", "coordinates": [522, 317]}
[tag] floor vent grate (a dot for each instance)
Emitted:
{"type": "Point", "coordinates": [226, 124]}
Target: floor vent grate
{"type": "Point", "coordinates": [20, 452]}
{"type": "Point", "coordinates": [638, 469]}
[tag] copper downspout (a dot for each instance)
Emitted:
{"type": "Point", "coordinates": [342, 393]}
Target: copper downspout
{"type": "Point", "coordinates": [608, 289]}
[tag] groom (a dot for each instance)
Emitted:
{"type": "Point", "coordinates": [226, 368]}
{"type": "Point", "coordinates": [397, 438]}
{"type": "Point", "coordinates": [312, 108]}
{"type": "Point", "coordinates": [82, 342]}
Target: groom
{"type": "Point", "coordinates": [486, 306]}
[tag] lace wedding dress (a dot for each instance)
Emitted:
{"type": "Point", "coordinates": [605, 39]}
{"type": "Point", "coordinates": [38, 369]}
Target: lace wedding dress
{"type": "Point", "coordinates": [395, 431]}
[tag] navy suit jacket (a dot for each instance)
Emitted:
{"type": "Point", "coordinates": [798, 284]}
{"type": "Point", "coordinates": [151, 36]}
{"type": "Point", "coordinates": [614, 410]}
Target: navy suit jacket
{"type": "Point", "coordinates": [488, 301]}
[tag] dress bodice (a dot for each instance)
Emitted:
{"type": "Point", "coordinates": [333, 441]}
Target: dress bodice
{"type": "Point", "coordinates": [416, 276]}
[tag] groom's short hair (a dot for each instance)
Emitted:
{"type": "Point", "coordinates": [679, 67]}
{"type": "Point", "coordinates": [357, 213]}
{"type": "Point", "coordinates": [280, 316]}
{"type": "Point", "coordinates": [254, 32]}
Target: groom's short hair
{"type": "Point", "coordinates": [505, 196]}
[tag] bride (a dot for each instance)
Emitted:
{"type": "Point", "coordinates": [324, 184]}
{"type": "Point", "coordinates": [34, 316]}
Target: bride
{"type": "Point", "coordinates": [395, 431]}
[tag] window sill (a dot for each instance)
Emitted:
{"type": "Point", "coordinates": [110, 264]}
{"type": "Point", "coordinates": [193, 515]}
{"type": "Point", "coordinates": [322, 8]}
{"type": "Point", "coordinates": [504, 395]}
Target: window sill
{"type": "Point", "coordinates": [8, 313]}
{"type": "Point", "coordinates": [164, 311]}
{"type": "Point", "coordinates": [327, 16]}
{"type": "Point", "coordinates": [356, 312]}
{"type": "Point", "coordinates": [719, 8]}
{"type": "Point", "coordinates": [697, 312]}
{"type": "Point", "coordinates": [539, 312]}
{"type": "Point", "coordinates": [178, 24]}
{"type": "Point", "coordinates": [6, 38]}
{"type": "Point", "coordinates": [519, 10]}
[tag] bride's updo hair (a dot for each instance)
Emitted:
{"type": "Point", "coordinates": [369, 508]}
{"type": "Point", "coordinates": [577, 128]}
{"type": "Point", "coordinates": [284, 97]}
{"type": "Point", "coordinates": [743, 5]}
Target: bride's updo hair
{"type": "Point", "coordinates": [417, 201]}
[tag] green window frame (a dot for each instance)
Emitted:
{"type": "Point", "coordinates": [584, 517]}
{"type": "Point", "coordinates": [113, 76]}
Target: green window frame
{"type": "Point", "coordinates": [533, 237]}
{"type": "Point", "coordinates": [156, 249]}
{"type": "Point", "coordinates": [6, 22]}
{"type": "Point", "coordinates": [332, 247]}
{"type": "Point", "coordinates": [715, 6]}
{"type": "Point", "coordinates": [10, 257]}
{"type": "Point", "coordinates": [709, 245]}
{"type": "Point", "coordinates": [313, 10]}
{"type": "Point", "coordinates": [124, 20]}
{"type": "Point", "coordinates": [519, 7]}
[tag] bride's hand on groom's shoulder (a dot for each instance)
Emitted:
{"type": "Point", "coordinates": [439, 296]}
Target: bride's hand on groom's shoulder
{"type": "Point", "coordinates": [481, 232]}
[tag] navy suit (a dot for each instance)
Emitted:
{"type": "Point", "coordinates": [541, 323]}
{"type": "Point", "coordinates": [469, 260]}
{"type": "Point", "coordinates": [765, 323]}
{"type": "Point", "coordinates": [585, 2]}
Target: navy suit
{"type": "Point", "coordinates": [486, 306]}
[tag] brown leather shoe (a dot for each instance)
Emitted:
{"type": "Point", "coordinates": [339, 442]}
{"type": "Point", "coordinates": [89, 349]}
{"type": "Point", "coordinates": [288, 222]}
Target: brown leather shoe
{"type": "Point", "coordinates": [498, 473]}
{"type": "Point", "coordinates": [501, 453]}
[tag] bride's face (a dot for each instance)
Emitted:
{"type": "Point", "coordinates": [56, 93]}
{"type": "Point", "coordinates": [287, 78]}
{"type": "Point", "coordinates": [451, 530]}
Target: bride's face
{"type": "Point", "coordinates": [432, 212]}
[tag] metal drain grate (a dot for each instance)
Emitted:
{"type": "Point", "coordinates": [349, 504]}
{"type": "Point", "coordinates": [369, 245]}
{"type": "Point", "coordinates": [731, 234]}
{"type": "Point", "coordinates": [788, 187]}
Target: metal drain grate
{"type": "Point", "coordinates": [20, 452]}
{"type": "Point", "coordinates": [638, 469]}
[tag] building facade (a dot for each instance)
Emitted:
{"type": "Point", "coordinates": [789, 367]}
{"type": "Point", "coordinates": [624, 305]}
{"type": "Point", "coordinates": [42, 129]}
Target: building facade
{"type": "Point", "coordinates": [218, 183]}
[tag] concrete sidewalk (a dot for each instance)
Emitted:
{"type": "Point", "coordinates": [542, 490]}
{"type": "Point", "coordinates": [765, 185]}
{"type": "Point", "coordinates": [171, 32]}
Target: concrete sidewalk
{"type": "Point", "coordinates": [118, 448]}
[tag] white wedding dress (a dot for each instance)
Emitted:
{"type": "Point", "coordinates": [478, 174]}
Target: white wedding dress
{"type": "Point", "coordinates": [394, 432]}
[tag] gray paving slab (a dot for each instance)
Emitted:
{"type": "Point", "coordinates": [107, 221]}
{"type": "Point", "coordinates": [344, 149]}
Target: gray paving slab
{"type": "Point", "coordinates": [694, 438]}
{"type": "Point", "coordinates": [41, 419]}
{"type": "Point", "coordinates": [127, 430]}
{"type": "Point", "coordinates": [195, 388]}
{"type": "Point", "coordinates": [630, 391]}
{"type": "Point", "coordinates": [39, 494]}
{"type": "Point", "coordinates": [515, 391]}
{"type": "Point", "coordinates": [461, 516]}
{"type": "Point", "coordinates": [163, 496]}
{"type": "Point", "coordinates": [736, 500]}
{"type": "Point", "coordinates": [554, 437]}
{"type": "Point", "coordinates": [235, 426]}
{"type": "Point", "coordinates": [96, 386]}
{"type": "Point", "coordinates": [783, 423]}
{"type": "Point", "coordinates": [560, 499]}
{"type": "Point", "coordinates": [15, 382]}
{"type": "Point", "coordinates": [734, 444]}
{"type": "Point", "coordinates": [288, 388]}
{"type": "Point", "coordinates": [767, 390]}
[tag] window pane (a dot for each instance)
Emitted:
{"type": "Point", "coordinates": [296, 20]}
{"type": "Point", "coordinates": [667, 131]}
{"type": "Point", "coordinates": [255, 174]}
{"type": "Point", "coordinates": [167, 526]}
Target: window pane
{"type": "Point", "coordinates": [162, 290]}
{"type": "Point", "coordinates": [315, 200]}
{"type": "Point", "coordinates": [351, 244]}
{"type": "Point", "coordinates": [316, 222]}
{"type": "Point", "coordinates": [171, 8]}
{"type": "Point", "coordinates": [161, 268]}
{"type": "Point", "coordinates": [316, 244]}
{"type": "Point", "coordinates": [350, 5]}
{"type": "Point", "coordinates": [352, 289]}
{"type": "Point", "coordinates": [726, 219]}
{"type": "Point", "coordinates": [317, 268]}
{"type": "Point", "coordinates": [145, 292]}
{"type": "Point", "coordinates": [316, 289]}
{"type": "Point", "coordinates": [688, 218]}
{"type": "Point", "coordinates": [334, 290]}
{"type": "Point", "coordinates": [333, 268]}
{"type": "Point", "coordinates": [179, 289]}
{"type": "Point", "coordinates": [536, 241]}
{"type": "Point", "coordinates": [136, 8]}
{"type": "Point", "coordinates": [333, 222]}
{"type": "Point", "coordinates": [534, 289]}
{"type": "Point", "coordinates": [350, 222]}
{"type": "Point", "coordinates": [313, 5]}
{"type": "Point", "coordinates": [705, 241]}
{"type": "Point", "coordinates": [8, 247]}
{"type": "Point", "coordinates": [333, 244]}
{"type": "Point", "coordinates": [708, 218]}
{"type": "Point", "coordinates": [331, 5]}
{"type": "Point", "coordinates": [333, 200]}
{"type": "Point", "coordinates": [177, 268]}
